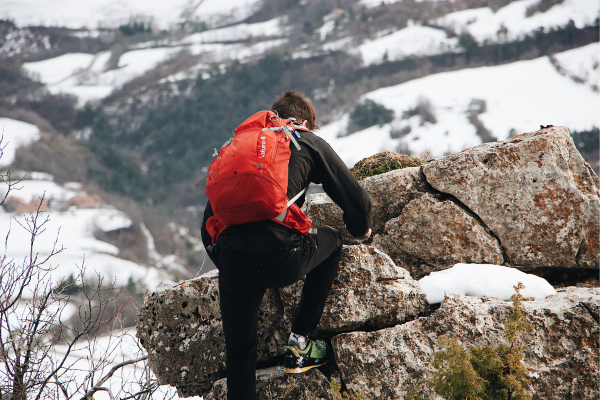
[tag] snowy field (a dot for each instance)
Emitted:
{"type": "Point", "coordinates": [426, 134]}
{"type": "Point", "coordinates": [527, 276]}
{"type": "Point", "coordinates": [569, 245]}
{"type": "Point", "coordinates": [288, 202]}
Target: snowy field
{"type": "Point", "coordinates": [71, 227]}
{"type": "Point", "coordinates": [85, 75]}
{"type": "Point", "coordinates": [413, 40]}
{"type": "Point", "coordinates": [520, 96]}
{"type": "Point", "coordinates": [113, 13]}
{"type": "Point", "coordinates": [484, 23]}
{"type": "Point", "coordinates": [14, 135]}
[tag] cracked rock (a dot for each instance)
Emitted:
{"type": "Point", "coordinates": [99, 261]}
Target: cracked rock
{"type": "Point", "coordinates": [181, 328]}
{"type": "Point", "coordinates": [436, 234]}
{"type": "Point", "coordinates": [561, 352]}
{"type": "Point", "coordinates": [534, 191]}
{"type": "Point", "coordinates": [389, 193]}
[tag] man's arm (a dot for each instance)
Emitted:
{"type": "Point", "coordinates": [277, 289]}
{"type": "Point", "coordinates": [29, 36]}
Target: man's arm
{"type": "Point", "coordinates": [206, 238]}
{"type": "Point", "coordinates": [339, 183]}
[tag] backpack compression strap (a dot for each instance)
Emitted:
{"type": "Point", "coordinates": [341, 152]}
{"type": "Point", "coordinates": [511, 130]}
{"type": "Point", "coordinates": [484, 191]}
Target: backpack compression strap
{"type": "Point", "coordinates": [281, 216]}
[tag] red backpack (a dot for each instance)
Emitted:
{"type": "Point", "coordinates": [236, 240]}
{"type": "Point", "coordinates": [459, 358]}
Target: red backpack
{"type": "Point", "coordinates": [247, 181]}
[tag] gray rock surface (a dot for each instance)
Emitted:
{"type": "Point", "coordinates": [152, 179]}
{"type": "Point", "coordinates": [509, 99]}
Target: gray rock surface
{"type": "Point", "coordinates": [370, 291]}
{"type": "Point", "coordinates": [439, 234]}
{"type": "Point", "coordinates": [534, 191]}
{"type": "Point", "coordinates": [561, 352]}
{"type": "Point", "coordinates": [273, 383]}
{"type": "Point", "coordinates": [389, 193]}
{"type": "Point", "coordinates": [181, 328]}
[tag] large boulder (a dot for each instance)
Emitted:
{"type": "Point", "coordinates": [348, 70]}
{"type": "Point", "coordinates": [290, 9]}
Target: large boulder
{"type": "Point", "coordinates": [370, 292]}
{"type": "Point", "coordinates": [180, 326]}
{"type": "Point", "coordinates": [561, 352]}
{"type": "Point", "coordinates": [273, 383]}
{"type": "Point", "coordinates": [534, 192]}
{"type": "Point", "coordinates": [389, 193]}
{"type": "Point", "coordinates": [431, 235]}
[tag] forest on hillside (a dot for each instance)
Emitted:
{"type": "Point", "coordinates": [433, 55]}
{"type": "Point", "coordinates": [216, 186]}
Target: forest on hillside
{"type": "Point", "coordinates": [152, 140]}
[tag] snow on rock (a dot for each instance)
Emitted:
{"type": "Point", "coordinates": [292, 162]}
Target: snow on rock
{"type": "Point", "coordinates": [483, 280]}
{"type": "Point", "coordinates": [14, 135]}
{"type": "Point", "coordinates": [485, 205]}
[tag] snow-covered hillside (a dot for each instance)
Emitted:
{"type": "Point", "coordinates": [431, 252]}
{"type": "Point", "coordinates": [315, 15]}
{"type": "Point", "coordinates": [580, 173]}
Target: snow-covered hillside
{"type": "Point", "coordinates": [73, 218]}
{"type": "Point", "coordinates": [113, 13]}
{"type": "Point", "coordinates": [86, 75]}
{"type": "Point", "coordinates": [503, 100]}
{"type": "Point", "coordinates": [519, 97]}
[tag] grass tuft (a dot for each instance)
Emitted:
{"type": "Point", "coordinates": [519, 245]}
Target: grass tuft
{"type": "Point", "coordinates": [383, 162]}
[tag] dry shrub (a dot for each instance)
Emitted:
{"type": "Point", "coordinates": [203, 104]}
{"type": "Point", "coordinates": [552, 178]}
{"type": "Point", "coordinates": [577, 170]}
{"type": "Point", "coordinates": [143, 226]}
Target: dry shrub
{"type": "Point", "coordinates": [56, 155]}
{"type": "Point", "coordinates": [383, 162]}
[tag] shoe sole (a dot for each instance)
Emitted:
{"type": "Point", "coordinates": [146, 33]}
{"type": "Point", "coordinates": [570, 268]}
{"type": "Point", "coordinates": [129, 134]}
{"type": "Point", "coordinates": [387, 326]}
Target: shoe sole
{"type": "Point", "coordinates": [303, 369]}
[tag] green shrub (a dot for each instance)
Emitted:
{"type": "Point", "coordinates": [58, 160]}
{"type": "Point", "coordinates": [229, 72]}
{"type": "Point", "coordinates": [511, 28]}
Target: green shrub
{"type": "Point", "coordinates": [369, 113]}
{"type": "Point", "coordinates": [483, 373]}
{"type": "Point", "coordinates": [135, 27]}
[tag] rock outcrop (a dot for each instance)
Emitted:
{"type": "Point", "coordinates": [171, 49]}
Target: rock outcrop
{"type": "Point", "coordinates": [273, 383]}
{"type": "Point", "coordinates": [534, 191]}
{"type": "Point", "coordinates": [530, 202]}
{"type": "Point", "coordinates": [181, 328]}
{"type": "Point", "coordinates": [561, 355]}
{"type": "Point", "coordinates": [487, 204]}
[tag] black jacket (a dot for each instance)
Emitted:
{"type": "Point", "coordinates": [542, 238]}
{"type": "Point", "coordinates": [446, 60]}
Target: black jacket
{"type": "Point", "coordinates": [318, 163]}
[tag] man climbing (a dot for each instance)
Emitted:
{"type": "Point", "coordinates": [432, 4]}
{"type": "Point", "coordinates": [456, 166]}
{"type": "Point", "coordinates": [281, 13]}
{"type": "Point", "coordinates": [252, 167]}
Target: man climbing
{"type": "Point", "coordinates": [280, 251]}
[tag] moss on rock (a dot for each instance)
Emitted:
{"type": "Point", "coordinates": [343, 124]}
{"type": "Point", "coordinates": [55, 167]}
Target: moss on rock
{"type": "Point", "coordinates": [383, 162]}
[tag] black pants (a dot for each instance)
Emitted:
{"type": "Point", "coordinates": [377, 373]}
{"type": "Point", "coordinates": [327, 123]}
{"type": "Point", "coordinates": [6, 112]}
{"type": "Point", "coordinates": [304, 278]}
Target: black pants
{"type": "Point", "coordinates": [243, 279]}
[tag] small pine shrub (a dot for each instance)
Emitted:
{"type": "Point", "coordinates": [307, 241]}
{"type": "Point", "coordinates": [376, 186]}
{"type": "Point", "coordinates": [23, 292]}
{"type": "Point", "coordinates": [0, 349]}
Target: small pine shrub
{"type": "Point", "coordinates": [483, 373]}
{"type": "Point", "coordinates": [135, 27]}
{"type": "Point", "coordinates": [336, 388]}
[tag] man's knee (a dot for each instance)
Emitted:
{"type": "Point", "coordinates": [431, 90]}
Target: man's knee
{"type": "Point", "coordinates": [334, 232]}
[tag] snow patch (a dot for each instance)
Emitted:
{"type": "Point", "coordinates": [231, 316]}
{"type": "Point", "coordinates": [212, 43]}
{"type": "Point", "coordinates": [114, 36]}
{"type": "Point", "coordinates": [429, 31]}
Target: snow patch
{"type": "Point", "coordinates": [15, 134]}
{"type": "Point", "coordinates": [483, 280]}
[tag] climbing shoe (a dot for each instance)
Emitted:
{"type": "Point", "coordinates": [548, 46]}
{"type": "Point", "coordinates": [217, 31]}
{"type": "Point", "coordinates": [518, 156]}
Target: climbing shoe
{"type": "Point", "coordinates": [296, 361]}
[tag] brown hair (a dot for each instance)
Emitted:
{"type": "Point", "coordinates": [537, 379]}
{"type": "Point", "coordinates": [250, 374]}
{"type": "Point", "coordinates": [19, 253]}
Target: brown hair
{"type": "Point", "coordinates": [293, 104]}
